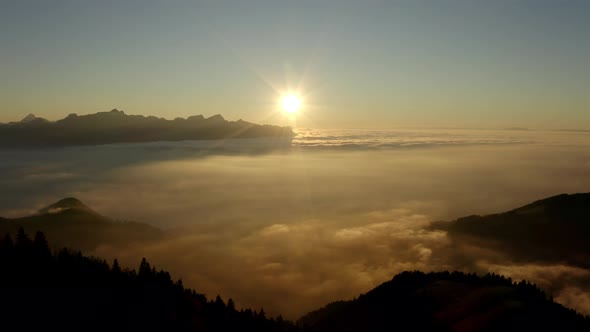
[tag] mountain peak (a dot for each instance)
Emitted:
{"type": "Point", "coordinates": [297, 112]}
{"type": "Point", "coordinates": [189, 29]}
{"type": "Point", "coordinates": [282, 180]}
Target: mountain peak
{"type": "Point", "coordinates": [195, 118]}
{"type": "Point", "coordinates": [31, 119]}
{"type": "Point", "coordinates": [28, 118]}
{"type": "Point", "coordinates": [64, 204]}
{"type": "Point", "coordinates": [216, 117]}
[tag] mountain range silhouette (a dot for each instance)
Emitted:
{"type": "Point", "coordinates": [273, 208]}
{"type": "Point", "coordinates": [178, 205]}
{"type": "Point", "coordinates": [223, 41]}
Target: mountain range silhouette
{"type": "Point", "coordinates": [117, 127]}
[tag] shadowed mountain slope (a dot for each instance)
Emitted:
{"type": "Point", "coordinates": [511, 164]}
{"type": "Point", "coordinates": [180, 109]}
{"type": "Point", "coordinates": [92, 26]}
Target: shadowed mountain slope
{"type": "Point", "coordinates": [443, 301]}
{"type": "Point", "coordinates": [555, 229]}
{"type": "Point", "coordinates": [72, 224]}
{"type": "Point", "coordinates": [117, 127]}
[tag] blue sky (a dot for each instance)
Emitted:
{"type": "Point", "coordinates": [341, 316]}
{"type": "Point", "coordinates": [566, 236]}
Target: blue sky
{"type": "Point", "coordinates": [357, 63]}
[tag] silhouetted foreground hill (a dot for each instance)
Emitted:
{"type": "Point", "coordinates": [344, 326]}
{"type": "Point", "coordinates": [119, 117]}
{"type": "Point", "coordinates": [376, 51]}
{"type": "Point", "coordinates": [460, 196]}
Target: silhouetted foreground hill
{"type": "Point", "coordinates": [70, 223]}
{"type": "Point", "coordinates": [443, 301]}
{"type": "Point", "coordinates": [555, 229]}
{"type": "Point", "coordinates": [67, 291]}
{"type": "Point", "coordinates": [117, 127]}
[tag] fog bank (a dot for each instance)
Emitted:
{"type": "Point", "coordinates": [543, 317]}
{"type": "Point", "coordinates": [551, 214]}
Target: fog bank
{"type": "Point", "coordinates": [292, 228]}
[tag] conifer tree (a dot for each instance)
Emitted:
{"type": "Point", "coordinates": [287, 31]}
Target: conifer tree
{"type": "Point", "coordinates": [116, 268]}
{"type": "Point", "coordinates": [40, 246]}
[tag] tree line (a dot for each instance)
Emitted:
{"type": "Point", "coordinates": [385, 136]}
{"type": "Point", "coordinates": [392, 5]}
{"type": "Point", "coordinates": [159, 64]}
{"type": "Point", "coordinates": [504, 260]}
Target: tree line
{"type": "Point", "coordinates": [67, 291]}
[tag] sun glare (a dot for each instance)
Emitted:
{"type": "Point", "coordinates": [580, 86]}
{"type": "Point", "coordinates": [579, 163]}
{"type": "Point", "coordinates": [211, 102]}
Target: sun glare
{"type": "Point", "coordinates": [291, 103]}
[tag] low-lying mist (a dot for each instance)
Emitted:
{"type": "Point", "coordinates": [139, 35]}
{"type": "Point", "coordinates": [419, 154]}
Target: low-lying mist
{"type": "Point", "coordinates": [290, 229]}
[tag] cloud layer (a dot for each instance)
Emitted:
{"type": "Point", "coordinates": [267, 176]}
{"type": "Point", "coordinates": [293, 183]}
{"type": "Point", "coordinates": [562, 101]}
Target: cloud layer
{"type": "Point", "coordinates": [292, 229]}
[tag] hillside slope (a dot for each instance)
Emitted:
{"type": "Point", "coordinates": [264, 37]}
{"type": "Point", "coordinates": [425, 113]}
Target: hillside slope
{"type": "Point", "coordinates": [555, 229]}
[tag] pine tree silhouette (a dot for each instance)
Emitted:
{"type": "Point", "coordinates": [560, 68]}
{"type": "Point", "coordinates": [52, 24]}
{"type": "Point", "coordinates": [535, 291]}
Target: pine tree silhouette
{"type": "Point", "coordinates": [68, 291]}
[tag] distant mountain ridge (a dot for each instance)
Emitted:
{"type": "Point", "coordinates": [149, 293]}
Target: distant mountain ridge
{"type": "Point", "coordinates": [70, 223]}
{"type": "Point", "coordinates": [117, 127]}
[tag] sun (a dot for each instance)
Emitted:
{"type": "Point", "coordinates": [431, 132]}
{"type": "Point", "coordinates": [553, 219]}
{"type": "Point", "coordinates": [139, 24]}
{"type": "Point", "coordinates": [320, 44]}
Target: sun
{"type": "Point", "coordinates": [290, 103]}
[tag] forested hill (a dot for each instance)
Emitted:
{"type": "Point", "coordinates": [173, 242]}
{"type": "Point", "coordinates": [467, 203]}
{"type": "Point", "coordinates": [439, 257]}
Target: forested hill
{"type": "Point", "coordinates": [443, 301]}
{"type": "Point", "coordinates": [117, 127]}
{"type": "Point", "coordinates": [66, 291]}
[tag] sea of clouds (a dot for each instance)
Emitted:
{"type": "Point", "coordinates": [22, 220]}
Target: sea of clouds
{"type": "Point", "coordinates": [290, 226]}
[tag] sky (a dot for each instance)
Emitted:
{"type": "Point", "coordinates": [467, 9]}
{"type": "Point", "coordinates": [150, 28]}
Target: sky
{"type": "Point", "coordinates": [477, 64]}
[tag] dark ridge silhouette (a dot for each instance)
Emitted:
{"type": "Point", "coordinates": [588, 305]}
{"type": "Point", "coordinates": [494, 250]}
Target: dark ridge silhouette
{"type": "Point", "coordinates": [117, 127]}
{"type": "Point", "coordinates": [444, 301]}
{"type": "Point", "coordinates": [555, 229]}
{"type": "Point", "coordinates": [67, 291]}
{"type": "Point", "coordinates": [70, 223]}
